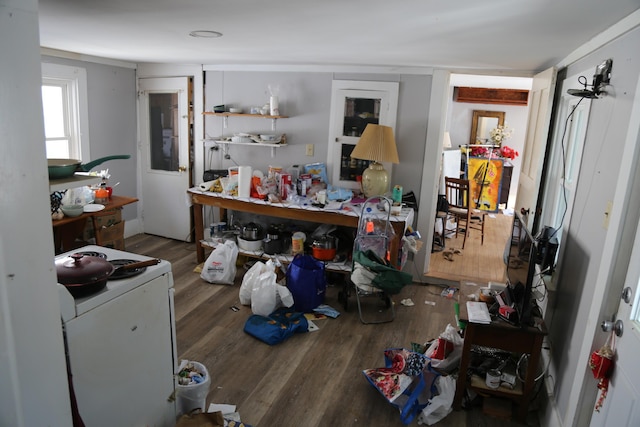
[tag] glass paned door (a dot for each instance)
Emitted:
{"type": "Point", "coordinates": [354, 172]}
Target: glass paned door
{"type": "Point", "coordinates": [163, 130]}
{"type": "Point", "coordinates": [354, 105]}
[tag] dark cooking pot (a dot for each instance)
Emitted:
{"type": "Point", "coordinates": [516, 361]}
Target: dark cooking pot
{"type": "Point", "coordinates": [272, 243]}
{"type": "Point", "coordinates": [323, 248]}
{"type": "Point", "coordinates": [252, 231]}
{"type": "Point", "coordinates": [83, 275]}
{"type": "Point", "coordinates": [64, 168]}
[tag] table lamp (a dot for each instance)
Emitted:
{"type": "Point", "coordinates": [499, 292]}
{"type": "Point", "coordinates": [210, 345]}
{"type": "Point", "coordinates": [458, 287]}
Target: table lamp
{"type": "Point", "coordinates": [378, 145]}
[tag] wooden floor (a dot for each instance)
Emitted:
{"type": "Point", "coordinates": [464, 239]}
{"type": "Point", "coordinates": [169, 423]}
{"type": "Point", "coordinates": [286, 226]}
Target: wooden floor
{"type": "Point", "coordinates": [312, 379]}
{"type": "Point", "coordinates": [477, 262]}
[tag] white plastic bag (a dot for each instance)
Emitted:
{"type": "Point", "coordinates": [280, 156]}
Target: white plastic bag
{"type": "Point", "coordinates": [451, 361]}
{"type": "Point", "coordinates": [220, 267]}
{"type": "Point", "coordinates": [267, 295]}
{"type": "Point", "coordinates": [439, 406]}
{"type": "Point", "coordinates": [250, 279]}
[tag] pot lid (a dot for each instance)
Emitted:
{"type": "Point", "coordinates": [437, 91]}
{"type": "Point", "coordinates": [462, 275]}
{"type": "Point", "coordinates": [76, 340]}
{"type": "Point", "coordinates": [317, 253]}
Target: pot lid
{"type": "Point", "coordinates": [81, 269]}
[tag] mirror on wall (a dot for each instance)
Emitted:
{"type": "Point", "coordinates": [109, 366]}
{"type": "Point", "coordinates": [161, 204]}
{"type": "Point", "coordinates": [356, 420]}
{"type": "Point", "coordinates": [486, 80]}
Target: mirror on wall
{"type": "Point", "coordinates": [482, 123]}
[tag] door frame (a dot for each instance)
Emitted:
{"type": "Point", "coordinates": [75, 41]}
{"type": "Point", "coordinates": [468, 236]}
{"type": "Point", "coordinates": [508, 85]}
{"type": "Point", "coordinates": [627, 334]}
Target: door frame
{"type": "Point", "coordinates": [197, 159]}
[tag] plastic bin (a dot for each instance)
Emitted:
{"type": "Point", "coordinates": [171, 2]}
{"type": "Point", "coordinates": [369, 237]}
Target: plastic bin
{"type": "Point", "coordinates": [193, 396]}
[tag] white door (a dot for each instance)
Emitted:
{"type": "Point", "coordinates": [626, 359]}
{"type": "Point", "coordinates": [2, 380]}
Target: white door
{"type": "Point", "coordinates": [621, 407]}
{"type": "Point", "coordinates": [622, 404]}
{"type": "Point", "coordinates": [355, 104]}
{"type": "Point", "coordinates": [541, 99]}
{"type": "Point", "coordinates": [164, 132]}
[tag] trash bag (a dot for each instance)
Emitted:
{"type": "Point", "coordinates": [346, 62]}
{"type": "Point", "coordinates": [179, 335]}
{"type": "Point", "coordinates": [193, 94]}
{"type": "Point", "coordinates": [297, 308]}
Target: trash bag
{"type": "Point", "coordinates": [267, 295]}
{"type": "Point", "coordinates": [260, 290]}
{"type": "Point", "coordinates": [250, 279]}
{"type": "Point", "coordinates": [439, 406]}
{"type": "Point", "coordinates": [446, 359]}
{"type": "Point", "coordinates": [220, 266]}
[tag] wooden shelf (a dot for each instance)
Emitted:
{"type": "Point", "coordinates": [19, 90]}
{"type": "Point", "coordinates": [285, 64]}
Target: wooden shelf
{"type": "Point", "coordinates": [258, 116]}
{"type": "Point", "coordinates": [226, 116]}
{"type": "Point", "coordinates": [479, 385]}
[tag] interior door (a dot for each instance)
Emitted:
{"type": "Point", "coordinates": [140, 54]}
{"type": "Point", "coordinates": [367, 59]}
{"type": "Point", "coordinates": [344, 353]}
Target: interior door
{"type": "Point", "coordinates": [355, 104]}
{"type": "Point", "coordinates": [541, 97]}
{"type": "Point", "coordinates": [165, 142]}
{"type": "Point", "coordinates": [622, 404]}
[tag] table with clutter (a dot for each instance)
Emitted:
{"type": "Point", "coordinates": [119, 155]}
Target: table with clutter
{"type": "Point", "coordinates": [339, 214]}
{"type": "Point", "coordinates": [68, 229]}
{"type": "Point", "coordinates": [501, 335]}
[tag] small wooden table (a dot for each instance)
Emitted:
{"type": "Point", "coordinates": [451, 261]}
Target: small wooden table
{"type": "Point", "coordinates": [504, 336]}
{"type": "Point", "coordinates": [68, 229]}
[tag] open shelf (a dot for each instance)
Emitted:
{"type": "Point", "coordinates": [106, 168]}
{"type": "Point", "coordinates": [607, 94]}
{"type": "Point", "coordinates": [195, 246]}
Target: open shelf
{"type": "Point", "coordinates": [208, 143]}
{"type": "Point", "coordinates": [257, 116]}
{"type": "Point", "coordinates": [226, 116]}
{"type": "Point", "coordinates": [341, 267]}
{"type": "Point", "coordinates": [77, 180]}
{"type": "Point", "coordinates": [480, 386]}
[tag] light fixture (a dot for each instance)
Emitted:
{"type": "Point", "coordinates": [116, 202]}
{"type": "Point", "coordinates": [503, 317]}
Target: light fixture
{"type": "Point", "coordinates": [207, 34]}
{"type": "Point", "coordinates": [601, 78]}
{"type": "Point", "coordinates": [378, 145]}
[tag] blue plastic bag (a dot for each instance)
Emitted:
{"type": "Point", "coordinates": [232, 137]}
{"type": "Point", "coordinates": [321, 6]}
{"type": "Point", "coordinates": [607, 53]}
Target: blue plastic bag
{"type": "Point", "coordinates": [276, 327]}
{"type": "Point", "coordinates": [307, 282]}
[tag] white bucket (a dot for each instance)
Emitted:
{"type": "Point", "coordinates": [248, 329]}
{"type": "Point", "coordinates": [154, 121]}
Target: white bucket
{"type": "Point", "coordinates": [193, 396]}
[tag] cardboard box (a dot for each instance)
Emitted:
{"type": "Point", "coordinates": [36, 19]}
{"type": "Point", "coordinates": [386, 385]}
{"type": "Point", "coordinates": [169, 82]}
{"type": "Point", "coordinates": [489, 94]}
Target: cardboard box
{"type": "Point", "coordinates": [101, 219]}
{"type": "Point", "coordinates": [111, 236]}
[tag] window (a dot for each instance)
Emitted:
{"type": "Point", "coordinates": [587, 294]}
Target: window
{"type": "Point", "coordinates": [64, 105]}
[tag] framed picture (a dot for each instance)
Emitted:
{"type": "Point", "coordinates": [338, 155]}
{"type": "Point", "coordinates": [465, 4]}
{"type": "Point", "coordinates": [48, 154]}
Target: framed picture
{"type": "Point", "coordinates": [485, 182]}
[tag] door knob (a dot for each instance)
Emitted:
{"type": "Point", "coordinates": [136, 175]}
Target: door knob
{"type": "Point", "coordinates": [182, 168]}
{"type": "Point", "coordinates": [609, 325]}
{"type": "Point", "coordinates": [626, 294]}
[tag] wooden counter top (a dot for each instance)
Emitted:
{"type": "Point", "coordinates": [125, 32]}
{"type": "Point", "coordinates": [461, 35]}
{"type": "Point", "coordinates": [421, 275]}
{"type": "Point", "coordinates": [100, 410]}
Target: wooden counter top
{"type": "Point", "coordinates": [68, 229]}
{"type": "Point", "coordinates": [114, 203]}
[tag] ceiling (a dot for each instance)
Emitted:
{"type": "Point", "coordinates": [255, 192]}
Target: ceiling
{"type": "Point", "coordinates": [520, 36]}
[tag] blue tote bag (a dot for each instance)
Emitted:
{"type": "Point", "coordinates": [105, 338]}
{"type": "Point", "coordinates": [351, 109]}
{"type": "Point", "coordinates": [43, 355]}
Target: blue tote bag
{"type": "Point", "coordinates": [307, 282]}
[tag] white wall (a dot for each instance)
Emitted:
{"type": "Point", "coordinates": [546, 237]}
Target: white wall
{"type": "Point", "coordinates": [33, 390]}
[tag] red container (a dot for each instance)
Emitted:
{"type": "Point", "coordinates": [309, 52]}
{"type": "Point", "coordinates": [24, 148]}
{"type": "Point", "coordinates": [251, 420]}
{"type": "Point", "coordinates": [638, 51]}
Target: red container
{"type": "Point", "coordinates": [284, 184]}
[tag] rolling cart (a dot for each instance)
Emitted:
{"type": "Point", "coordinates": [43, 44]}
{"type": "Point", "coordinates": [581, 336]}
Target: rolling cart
{"type": "Point", "coordinates": [372, 274]}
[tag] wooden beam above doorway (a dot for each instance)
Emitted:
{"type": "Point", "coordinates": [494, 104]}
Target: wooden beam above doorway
{"type": "Point", "coordinates": [481, 95]}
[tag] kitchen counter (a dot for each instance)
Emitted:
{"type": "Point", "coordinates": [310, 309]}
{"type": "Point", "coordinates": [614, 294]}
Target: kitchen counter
{"type": "Point", "coordinates": [68, 229]}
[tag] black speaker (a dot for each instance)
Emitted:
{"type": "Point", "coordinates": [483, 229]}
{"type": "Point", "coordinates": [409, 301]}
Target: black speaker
{"type": "Point", "coordinates": [548, 255]}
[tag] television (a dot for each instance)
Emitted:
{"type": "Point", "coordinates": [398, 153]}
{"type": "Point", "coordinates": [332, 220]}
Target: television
{"type": "Point", "coordinates": [521, 259]}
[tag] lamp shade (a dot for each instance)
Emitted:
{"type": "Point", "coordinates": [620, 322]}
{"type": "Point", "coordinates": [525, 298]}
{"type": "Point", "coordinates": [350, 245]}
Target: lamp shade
{"type": "Point", "coordinates": [378, 144]}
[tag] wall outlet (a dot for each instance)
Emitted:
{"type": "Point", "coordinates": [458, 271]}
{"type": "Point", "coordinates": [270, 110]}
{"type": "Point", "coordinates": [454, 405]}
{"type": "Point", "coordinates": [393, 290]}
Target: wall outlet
{"type": "Point", "coordinates": [309, 151]}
